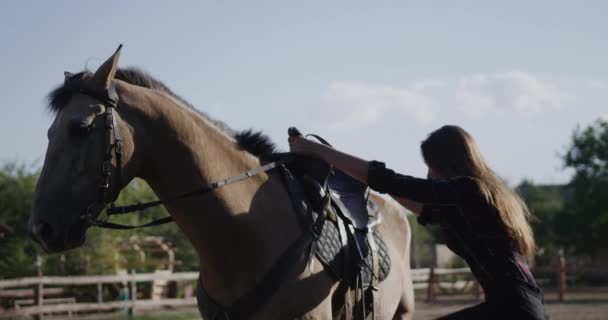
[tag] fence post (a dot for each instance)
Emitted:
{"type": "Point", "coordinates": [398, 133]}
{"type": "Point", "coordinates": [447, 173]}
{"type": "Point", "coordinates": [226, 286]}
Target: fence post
{"type": "Point", "coordinates": [561, 275]}
{"type": "Point", "coordinates": [39, 287]}
{"type": "Point", "coordinates": [99, 292]}
{"type": "Point", "coordinates": [133, 295]}
{"type": "Point", "coordinates": [430, 294]}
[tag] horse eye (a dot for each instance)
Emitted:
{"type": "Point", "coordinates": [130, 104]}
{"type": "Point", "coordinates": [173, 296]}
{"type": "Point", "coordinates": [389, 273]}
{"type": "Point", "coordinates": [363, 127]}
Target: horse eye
{"type": "Point", "coordinates": [78, 129]}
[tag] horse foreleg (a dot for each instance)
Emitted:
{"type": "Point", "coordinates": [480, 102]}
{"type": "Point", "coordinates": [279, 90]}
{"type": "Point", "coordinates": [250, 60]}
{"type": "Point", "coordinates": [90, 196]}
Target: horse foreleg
{"type": "Point", "coordinates": [405, 309]}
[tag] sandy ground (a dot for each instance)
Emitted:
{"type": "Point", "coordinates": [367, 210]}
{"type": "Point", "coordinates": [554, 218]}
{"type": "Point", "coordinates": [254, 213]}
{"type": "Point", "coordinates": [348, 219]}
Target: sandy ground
{"type": "Point", "coordinates": [580, 306]}
{"type": "Point", "coordinates": [557, 311]}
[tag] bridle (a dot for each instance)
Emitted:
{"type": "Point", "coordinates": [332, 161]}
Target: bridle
{"type": "Point", "coordinates": [113, 150]}
{"type": "Point", "coordinates": [252, 300]}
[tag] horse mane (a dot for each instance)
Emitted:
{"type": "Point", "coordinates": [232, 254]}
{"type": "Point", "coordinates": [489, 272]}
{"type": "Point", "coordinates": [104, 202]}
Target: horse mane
{"type": "Point", "coordinates": [257, 143]}
{"type": "Point", "coordinates": [254, 142]}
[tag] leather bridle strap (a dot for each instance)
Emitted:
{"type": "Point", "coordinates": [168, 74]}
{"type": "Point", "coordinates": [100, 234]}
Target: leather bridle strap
{"type": "Point", "coordinates": [110, 99]}
{"type": "Point", "coordinates": [113, 210]}
{"type": "Point", "coordinates": [110, 225]}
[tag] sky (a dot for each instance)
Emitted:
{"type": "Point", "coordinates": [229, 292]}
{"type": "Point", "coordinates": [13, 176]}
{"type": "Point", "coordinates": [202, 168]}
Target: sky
{"type": "Point", "coordinates": [372, 77]}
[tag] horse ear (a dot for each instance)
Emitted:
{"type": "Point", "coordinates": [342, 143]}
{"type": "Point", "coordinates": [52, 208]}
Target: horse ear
{"type": "Point", "coordinates": [105, 73]}
{"type": "Point", "coordinates": [67, 75]}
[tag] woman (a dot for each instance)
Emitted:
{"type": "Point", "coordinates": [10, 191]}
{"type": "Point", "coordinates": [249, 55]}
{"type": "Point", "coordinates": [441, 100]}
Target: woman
{"type": "Point", "coordinates": [483, 221]}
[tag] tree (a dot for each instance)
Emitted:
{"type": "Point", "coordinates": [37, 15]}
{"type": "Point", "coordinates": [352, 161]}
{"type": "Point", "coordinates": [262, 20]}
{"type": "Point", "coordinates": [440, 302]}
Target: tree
{"type": "Point", "coordinates": [585, 224]}
{"type": "Point", "coordinates": [99, 255]}
{"type": "Point", "coordinates": [16, 190]}
{"type": "Point", "coordinates": [546, 203]}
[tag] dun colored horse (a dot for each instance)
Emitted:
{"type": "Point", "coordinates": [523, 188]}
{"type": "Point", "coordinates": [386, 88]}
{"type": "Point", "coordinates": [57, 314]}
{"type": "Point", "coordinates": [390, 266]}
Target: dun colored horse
{"type": "Point", "coordinates": [239, 231]}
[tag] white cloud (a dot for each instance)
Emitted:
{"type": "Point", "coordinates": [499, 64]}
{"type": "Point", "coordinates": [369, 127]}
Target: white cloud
{"type": "Point", "coordinates": [523, 92]}
{"type": "Point", "coordinates": [353, 105]}
{"type": "Point", "coordinates": [596, 84]}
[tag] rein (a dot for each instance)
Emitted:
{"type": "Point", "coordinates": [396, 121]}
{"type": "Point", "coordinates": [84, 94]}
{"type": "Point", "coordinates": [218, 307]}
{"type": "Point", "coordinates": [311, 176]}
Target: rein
{"type": "Point", "coordinates": [113, 210]}
{"type": "Point", "coordinates": [110, 100]}
{"type": "Point", "coordinates": [253, 299]}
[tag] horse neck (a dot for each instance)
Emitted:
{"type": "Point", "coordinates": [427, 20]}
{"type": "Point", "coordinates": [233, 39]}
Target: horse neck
{"type": "Point", "coordinates": [238, 230]}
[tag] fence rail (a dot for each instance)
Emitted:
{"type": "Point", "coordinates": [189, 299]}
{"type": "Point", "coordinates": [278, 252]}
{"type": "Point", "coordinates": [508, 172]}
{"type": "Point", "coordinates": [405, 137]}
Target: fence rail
{"type": "Point", "coordinates": [40, 307]}
{"type": "Point", "coordinates": [431, 279]}
{"type": "Point", "coordinates": [87, 280]}
{"type": "Point", "coordinates": [92, 306]}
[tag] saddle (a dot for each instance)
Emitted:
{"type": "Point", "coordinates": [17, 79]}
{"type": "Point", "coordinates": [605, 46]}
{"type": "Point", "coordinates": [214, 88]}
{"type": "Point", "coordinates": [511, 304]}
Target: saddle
{"type": "Point", "coordinates": [345, 201]}
{"type": "Point", "coordinates": [338, 222]}
{"type": "Point", "coordinates": [348, 243]}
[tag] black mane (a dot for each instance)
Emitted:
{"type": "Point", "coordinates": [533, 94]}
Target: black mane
{"type": "Point", "coordinates": [254, 142]}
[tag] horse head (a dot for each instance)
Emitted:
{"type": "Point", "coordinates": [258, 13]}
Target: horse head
{"type": "Point", "coordinates": [70, 188]}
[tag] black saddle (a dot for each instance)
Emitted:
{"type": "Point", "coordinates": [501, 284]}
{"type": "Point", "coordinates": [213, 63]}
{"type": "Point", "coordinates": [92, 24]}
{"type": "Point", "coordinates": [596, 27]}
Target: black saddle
{"type": "Point", "coordinates": [348, 241]}
{"type": "Point", "coordinates": [319, 181]}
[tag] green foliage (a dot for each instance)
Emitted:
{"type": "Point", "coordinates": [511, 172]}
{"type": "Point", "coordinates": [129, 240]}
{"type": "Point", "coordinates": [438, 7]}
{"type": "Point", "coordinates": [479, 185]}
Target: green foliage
{"type": "Point", "coordinates": [100, 255]}
{"type": "Point", "coordinates": [139, 191]}
{"type": "Point", "coordinates": [575, 216]}
{"type": "Point", "coordinates": [546, 203]}
{"type": "Point", "coordinates": [585, 224]}
{"type": "Point", "coordinates": [423, 242]}
{"type": "Point", "coordinates": [457, 262]}
{"type": "Point", "coordinates": [16, 190]}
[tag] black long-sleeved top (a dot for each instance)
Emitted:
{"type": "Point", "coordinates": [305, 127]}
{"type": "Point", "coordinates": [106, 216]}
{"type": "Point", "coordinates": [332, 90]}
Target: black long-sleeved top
{"type": "Point", "coordinates": [471, 226]}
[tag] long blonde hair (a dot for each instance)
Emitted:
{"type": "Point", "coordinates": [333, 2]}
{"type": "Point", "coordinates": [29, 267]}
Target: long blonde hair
{"type": "Point", "coordinates": [451, 152]}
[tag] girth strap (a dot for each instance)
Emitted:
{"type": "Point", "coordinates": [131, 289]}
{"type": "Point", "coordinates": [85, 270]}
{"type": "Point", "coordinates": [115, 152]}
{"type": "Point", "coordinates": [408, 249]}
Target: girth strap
{"type": "Point", "coordinates": [251, 302]}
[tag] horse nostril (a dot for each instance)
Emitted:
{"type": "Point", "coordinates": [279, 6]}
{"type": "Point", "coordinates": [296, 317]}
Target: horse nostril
{"type": "Point", "coordinates": [42, 231]}
{"type": "Point", "coordinates": [46, 231]}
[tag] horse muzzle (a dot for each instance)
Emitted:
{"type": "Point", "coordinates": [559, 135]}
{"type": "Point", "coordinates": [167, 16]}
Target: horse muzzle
{"type": "Point", "coordinates": [54, 238]}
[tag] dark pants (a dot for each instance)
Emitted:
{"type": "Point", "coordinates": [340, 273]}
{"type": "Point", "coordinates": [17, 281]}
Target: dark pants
{"type": "Point", "coordinates": [524, 302]}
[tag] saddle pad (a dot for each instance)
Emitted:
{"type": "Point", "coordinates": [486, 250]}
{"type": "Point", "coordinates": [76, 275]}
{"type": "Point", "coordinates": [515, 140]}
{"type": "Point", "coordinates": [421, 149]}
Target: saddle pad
{"type": "Point", "coordinates": [328, 249]}
{"type": "Point", "coordinates": [384, 262]}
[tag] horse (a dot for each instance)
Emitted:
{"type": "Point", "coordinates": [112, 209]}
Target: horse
{"type": "Point", "coordinates": [238, 231]}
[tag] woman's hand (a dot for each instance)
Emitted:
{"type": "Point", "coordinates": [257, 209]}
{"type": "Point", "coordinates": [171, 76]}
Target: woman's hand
{"type": "Point", "coordinates": [303, 146]}
{"type": "Point", "coordinates": [351, 165]}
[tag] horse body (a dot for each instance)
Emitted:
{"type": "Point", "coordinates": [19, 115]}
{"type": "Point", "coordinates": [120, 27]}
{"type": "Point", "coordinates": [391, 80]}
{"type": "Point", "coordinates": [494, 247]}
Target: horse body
{"type": "Point", "coordinates": [239, 231]}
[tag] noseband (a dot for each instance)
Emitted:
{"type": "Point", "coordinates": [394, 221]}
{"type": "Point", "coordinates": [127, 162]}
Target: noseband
{"type": "Point", "coordinates": [269, 284]}
{"type": "Point", "coordinates": [113, 149]}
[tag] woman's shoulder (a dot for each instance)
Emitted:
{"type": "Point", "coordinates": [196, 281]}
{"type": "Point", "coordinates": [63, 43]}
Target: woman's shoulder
{"type": "Point", "coordinates": [465, 181]}
{"type": "Point", "coordinates": [466, 184]}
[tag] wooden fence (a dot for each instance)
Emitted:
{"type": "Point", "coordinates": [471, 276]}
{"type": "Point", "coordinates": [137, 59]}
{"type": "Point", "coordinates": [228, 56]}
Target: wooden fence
{"type": "Point", "coordinates": [40, 307]}
{"type": "Point", "coordinates": [435, 280]}
{"type": "Point", "coordinates": [432, 280]}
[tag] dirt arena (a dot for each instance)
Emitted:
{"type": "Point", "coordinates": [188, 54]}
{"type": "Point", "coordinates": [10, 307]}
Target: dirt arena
{"type": "Point", "coordinates": [579, 306]}
{"type": "Point", "coordinates": [557, 311]}
{"type": "Point", "coordinates": [424, 311]}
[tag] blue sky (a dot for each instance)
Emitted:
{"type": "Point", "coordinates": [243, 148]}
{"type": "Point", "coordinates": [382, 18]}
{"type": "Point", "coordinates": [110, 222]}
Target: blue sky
{"type": "Point", "coordinates": [372, 77]}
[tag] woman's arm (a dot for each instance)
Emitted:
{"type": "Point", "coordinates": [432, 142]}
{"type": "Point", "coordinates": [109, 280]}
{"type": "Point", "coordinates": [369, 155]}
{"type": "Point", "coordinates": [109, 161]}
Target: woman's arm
{"type": "Point", "coordinates": [349, 164]}
{"type": "Point", "coordinates": [382, 179]}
